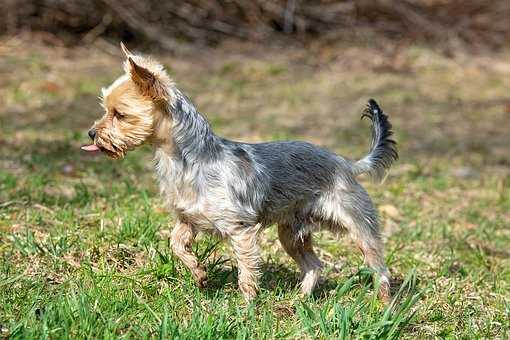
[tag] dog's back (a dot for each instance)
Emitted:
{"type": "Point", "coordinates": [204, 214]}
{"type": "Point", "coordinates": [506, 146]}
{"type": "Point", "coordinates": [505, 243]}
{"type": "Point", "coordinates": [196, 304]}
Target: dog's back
{"type": "Point", "coordinates": [292, 177]}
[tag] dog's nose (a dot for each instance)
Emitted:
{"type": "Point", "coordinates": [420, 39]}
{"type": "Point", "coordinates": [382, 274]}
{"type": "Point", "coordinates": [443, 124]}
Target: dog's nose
{"type": "Point", "coordinates": [92, 133]}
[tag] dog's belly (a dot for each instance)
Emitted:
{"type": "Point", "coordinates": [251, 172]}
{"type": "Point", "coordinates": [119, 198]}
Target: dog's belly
{"type": "Point", "coordinates": [216, 212]}
{"type": "Point", "coordinates": [212, 212]}
{"type": "Point", "coordinates": [190, 210]}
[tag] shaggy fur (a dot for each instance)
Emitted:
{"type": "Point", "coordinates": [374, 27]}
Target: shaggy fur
{"type": "Point", "coordinates": [235, 189]}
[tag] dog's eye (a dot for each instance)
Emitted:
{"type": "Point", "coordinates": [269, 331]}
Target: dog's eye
{"type": "Point", "coordinates": [118, 114]}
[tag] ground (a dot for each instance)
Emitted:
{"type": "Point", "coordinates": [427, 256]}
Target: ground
{"type": "Point", "coordinates": [84, 241]}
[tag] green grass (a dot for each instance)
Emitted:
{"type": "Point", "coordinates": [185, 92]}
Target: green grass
{"type": "Point", "coordinates": [84, 241]}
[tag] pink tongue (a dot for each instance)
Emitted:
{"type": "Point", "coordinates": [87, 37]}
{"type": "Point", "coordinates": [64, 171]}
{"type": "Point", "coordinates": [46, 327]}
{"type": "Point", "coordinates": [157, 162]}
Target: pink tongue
{"type": "Point", "coordinates": [90, 148]}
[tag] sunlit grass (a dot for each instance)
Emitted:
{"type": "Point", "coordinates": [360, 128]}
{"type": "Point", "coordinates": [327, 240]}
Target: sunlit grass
{"type": "Point", "coordinates": [84, 241]}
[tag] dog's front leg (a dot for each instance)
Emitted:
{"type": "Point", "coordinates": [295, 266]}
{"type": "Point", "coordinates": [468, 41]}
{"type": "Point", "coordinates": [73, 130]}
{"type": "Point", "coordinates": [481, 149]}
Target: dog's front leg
{"type": "Point", "coordinates": [181, 241]}
{"type": "Point", "coordinates": [247, 253]}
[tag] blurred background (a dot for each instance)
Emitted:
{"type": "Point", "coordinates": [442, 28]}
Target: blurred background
{"type": "Point", "coordinates": [166, 24]}
{"type": "Point", "coordinates": [439, 66]}
{"type": "Point", "coordinates": [262, 70]}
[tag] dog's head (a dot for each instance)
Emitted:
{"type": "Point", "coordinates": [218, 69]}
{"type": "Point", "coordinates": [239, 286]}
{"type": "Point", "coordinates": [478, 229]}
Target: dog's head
{"type": "Point", "coordinates": [135, 107]}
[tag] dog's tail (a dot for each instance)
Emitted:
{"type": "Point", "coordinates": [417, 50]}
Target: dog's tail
{"type": "Point", "coordinates": [383, 149]}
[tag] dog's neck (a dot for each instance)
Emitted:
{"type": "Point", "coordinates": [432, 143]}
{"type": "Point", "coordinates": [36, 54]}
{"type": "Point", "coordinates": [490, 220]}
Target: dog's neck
{"type": "Point", "coordinates": [184, 134]}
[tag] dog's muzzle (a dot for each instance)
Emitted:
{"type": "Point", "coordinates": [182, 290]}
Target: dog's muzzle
{"type": "Point", "coordinates": [92, 133]}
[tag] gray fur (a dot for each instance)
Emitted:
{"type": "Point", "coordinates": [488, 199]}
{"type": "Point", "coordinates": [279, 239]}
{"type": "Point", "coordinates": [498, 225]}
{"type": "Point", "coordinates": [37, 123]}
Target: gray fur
{"type": "Point", "coordinates": [290, 182]}
{"type": "Point", "coordinates": [383, 150]}
{"type": "Point", "coordinates": [235, 189]}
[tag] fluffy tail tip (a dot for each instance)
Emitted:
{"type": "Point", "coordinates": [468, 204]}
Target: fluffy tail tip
{"type": "Point", "coordinates": [383, 150]}
{"type": "Point", "coordinates": [373, 106]}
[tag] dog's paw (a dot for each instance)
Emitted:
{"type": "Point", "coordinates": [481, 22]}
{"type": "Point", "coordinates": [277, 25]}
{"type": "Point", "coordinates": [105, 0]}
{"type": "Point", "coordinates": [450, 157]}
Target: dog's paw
{"type": "Point", "coordinates": [202, 283]}
{"type": "Point", "coordinates": [249, 291]}
{"type": "Point", "coordinates": [200, 277]}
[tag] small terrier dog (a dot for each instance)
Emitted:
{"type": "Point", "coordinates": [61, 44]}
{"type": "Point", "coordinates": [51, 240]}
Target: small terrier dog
{"type": "Point", "coordinates": [235, 189]}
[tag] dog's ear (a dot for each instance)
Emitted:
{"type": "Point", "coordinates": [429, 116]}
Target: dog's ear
{"type": "Point", "coordinates": [146, 81]}
{"type": "Point", "coordinates": [125, 50]}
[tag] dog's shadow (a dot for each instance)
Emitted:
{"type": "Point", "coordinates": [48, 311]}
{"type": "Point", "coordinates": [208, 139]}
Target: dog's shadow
{"type": "Point", "coordinates": [282, 278]}
{"type": "Point", "coordinates": [274, 276]}
{"type": "Point", "coordinates": [327, 286]}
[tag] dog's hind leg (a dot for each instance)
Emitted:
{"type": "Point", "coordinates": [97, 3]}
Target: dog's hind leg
{"type": "Point", "coordinates": [181, 241]}
{"type": "Point", "coordinates": [353, 210]}
{"type": "Point", "coordinates": [373, 254]}
{"type": "Point", "coordinates": [301, 250]}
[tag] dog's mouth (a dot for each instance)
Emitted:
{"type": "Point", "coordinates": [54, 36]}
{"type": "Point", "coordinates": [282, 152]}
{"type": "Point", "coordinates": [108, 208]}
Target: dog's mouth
{"type": "Point", "coordinates": [95, 149]}
{"type": "Point", "coordinates": [92, 148]}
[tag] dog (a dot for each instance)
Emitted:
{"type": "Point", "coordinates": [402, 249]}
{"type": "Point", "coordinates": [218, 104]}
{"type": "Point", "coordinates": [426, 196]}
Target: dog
{"type": "Point", "coordinates": [235, 189]}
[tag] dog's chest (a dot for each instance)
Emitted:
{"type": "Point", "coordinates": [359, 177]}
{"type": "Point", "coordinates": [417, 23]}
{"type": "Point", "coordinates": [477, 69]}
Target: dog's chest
{"type": "Point", "coordinates": [179, 191]}
{"type": "Point", "coordinates": [175, 184]}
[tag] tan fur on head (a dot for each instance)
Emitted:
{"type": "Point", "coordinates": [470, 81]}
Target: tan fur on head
{"type": "Point", "coordinates": [148, 75]}
{"type": "Point", "coordinates": [135, 107]}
